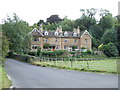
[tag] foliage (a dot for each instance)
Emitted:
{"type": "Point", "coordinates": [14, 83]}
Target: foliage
{"type": "Point", "coordinates": [107, 21]}
{"type": "Point", "coordinates": [110, 50]}
{"type": "Point", "coordinates": [100, 47]}
{"type": "Point", "coordinates": [109, 36]}
{"type": "Point", "coordinates": [55, 53]}
{"type": "Point", "coordinates": [53, 19]}
{"type": "Point", "coordinates": [17, 31]}
{"type": "Point", "coordinates": [74, 47]}
{"type": "Point", "coordinates": [5, 45]}
{"type": "Point", "coordinates": [46, 45]}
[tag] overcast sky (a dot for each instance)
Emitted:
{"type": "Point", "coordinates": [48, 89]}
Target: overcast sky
{"type": "Point", "coordinates": [34, 10]}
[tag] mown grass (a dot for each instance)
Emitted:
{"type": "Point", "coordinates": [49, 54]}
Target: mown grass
{"type": "Point", "coordinates": [106, 66]}
{"type": "Point", "coordinates": [0, 77]}
{"type": "Point", "coordinates": [4, 81]}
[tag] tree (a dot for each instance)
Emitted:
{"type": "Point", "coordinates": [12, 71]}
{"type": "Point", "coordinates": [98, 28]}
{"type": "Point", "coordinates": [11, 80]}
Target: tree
{"type": "Point", "coordinates": [40, 22]}
{"type": "Point", "coordinates": [4, 43]}
{"type": "Point", "coordinates": [54, 19]}
{"type": "Point", "coordinates": [117, 27]}
{"type": "Point", "coordinates": [107, 21]}
{"type": "Point", "coordinates": [110, 36]}
{"type": "Point", "coordinates": [87, 19]}
{"type": "Point", "coordinates": [66, 24]}
{"type": "Point", "coordinates": [96, 31]}
{"type": "Point", "coordinates": [110, 50]}
{"type": "Point", "coordinates": [16, 30]}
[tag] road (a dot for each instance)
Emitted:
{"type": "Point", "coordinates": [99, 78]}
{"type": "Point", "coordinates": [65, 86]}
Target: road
{"type": "Point", "coordinates": [25, 75]}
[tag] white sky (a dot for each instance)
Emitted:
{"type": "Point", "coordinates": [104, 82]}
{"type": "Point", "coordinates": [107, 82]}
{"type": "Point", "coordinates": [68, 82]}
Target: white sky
{"type": "Point", "coordinates": [34, 10]}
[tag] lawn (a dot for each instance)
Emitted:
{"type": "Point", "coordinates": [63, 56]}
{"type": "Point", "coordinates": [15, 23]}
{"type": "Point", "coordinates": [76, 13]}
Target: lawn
{"type": "Point", "coordinates": [107, 65]}
{"type": "Point", "coordinates": [4, 81]}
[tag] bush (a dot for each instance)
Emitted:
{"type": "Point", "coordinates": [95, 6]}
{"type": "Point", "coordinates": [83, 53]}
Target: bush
{"type": "Point", "coordinates": [32, 53]}
{"type": "Point", "coordinates": [110, 50]}
{"type": "Point", "coordinates": [47, 53]}
{"type": "Point", "coordinates": [88, 52]}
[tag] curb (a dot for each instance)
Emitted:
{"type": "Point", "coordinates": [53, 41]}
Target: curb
{"type": "Point", "coordinates": [12, 86]}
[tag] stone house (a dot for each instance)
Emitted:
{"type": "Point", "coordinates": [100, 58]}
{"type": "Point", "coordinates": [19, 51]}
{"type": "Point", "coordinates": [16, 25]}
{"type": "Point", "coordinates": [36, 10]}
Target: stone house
{"type": "Point", "coordinates": [60, 40]}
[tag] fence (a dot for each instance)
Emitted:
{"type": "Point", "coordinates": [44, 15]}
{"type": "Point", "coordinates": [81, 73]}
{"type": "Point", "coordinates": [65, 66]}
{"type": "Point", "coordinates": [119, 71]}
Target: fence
{"type": "Point", "coordinates": [99, 65]}
{"type": "Point", "coordinates": [96, 65]}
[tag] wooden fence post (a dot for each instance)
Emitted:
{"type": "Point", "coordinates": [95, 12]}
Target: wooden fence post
{"type": "Point", "coordinates": [87, 64]}
{"type": "Point", "coordinates": [71, 62]}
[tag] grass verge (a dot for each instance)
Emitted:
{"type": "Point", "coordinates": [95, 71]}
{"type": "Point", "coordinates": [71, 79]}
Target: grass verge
{"type": "Point", "coordinates": [102, 66]}
{"type": "Point", "coordinates": [4, 81]}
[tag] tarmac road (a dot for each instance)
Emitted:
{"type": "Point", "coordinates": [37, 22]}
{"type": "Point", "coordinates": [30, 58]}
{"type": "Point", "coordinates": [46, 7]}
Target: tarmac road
{"type": "Point", "coordinates": [25, 75]}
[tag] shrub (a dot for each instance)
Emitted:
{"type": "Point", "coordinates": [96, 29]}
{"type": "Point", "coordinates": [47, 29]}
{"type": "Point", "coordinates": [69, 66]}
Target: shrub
{"type": "Point", "coordinates": [110, 50]}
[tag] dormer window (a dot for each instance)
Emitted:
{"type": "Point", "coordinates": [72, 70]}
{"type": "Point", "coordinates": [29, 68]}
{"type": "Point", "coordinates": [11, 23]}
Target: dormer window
{"type": "Point", "coordinates": [46, 33]}
{"type": "Point", "coordinates": [74, 34]}
{"type": "Point", "coordinates": [65, 33]}
{"type": "Point", "coordinates": [56, 33]}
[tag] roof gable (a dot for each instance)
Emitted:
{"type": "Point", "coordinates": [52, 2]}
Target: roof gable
{"type": "Point", "coordinates": [85, 32]}
{"type": "Point", "coordinates": [36, 32]}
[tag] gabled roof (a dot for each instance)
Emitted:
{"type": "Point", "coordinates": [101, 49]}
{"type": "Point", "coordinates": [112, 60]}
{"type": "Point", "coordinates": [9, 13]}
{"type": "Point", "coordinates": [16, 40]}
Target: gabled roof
{"type": "Point", "coordinates": [36, 32]}
{"type": "Point", "coordinates": [51, 33]}
{"type": "Point", "coordinates": [84, 32]}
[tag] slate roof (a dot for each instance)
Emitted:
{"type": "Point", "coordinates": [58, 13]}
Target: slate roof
{"type": "Point", "coordinates": [51, 34]}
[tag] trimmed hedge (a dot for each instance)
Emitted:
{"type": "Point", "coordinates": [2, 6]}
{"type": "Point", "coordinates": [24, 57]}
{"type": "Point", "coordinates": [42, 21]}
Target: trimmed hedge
{"type": "Point", "coordinates": [47, 53]}
{"type": "Point", "coordinates": [25, 58]}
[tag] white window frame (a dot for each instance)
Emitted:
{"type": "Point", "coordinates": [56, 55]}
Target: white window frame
{"type": "Point", "coordinates": [74, 34]}
{"type": "Point", "coordinates": [56, 33]}
{"type": "Point", "coordinates": [65, 34]}
{"type": "Point", "coordinates": [46, 32]}
{"type": "Point", "coordinates": [33, 46]}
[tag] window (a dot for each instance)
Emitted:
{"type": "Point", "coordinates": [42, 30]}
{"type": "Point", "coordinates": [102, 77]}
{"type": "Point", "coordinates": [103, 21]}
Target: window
{"type": "Point", "coordinates": [75, 40]}
{"type": "Point", "coordinates": [65, 34]}
{"type": "Point", "coordinates": [56, 33]}
{"type": "Point", "coordinates": [46, 33]}
{"type": "Point", "coordinates": [65, 47]}
{"type": "Point", "coordinates": [66, 40]}
{"type": "Point", "coordinates": [57, 47]}
{"type": "Point", "coordinates": [74, 34]}
{"type": "Point", "coordinates": [46, 40]}
{"type": "Point", "coordinates": [36, 38]}
{"type": "Point", "coordinates": [85, 41]}
{"type": "Point", "coordinates": [56, 40]}
{"type": "Point", "coordinates": [34, 46]}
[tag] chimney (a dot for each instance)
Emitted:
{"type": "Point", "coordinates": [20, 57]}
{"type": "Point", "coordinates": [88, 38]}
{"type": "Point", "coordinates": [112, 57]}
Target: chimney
{"type": "Point", "coordinates": [40, 28]}
{"type": "Point", "coordinates": [78, 30]}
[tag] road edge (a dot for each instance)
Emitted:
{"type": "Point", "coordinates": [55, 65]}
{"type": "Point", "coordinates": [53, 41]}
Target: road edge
{"type": "Point", "coordinates": [12, 85]}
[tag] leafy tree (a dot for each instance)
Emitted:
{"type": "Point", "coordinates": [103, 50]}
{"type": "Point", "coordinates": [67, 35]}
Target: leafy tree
{"type": "Point", "coordinates": [87, 19]}
{"type": "Point", "coordinates": [107, 21]}
{"type": "Point", "coordinates": [109, 36]}
{"type": "Point", "coordinates": [40, 22]}
{"type": "Point", "coordinates": [17, 31]}
{"type": "Point", "coordinates": [67, 24]}
{"type": "Point", "coordinates": [95, 42]}
{"type": "Point", "coordinates": [4, 43]}
{"type": "Point", "coordinates": [34, 26]}
{"type": "Point", "coordinates": [117, 27]}
{"type": "Point", "coordinates": [96, 31]}
{"type": "Point", "coordinates": [53, 19]}
{"type": "Point", "coordinates": [110, 50]}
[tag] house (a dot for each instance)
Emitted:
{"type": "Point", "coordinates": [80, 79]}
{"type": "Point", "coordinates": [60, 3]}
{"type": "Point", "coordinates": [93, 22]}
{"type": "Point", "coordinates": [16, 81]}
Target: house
{"type": "Point", "coordinates": [60, 40]}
